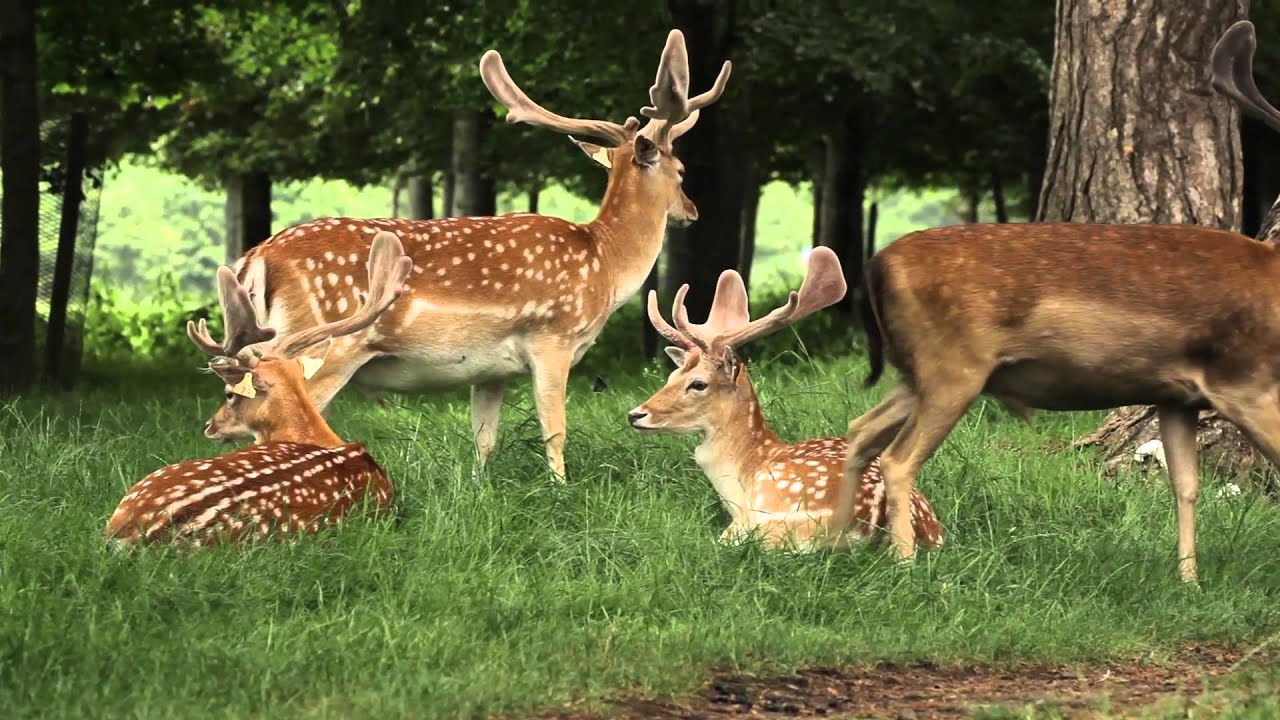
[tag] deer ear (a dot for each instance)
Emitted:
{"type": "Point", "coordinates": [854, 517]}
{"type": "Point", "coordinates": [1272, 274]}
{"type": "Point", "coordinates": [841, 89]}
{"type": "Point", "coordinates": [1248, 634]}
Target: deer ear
{"type": "Point", "coordinates": [600, 154]}
{"type": "Point", "coordinates": [733, 364]}
{"type": "Point", "coordinates": [646, 151]}
{"type": "Point", "coordinates": [677, 355]}
{"type": "Point", "coordinates": [313, 358]}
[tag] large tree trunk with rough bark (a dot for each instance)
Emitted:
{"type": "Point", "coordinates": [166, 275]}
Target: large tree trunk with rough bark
{"type": "Point", "coordinates": [473, 191]}
{"type": "Point", "coordinates": [248, 212]}
{"type": "Point", "coordinates": [421, 198]}
{"type": "Point", "coordinates": [843, 193]}
{"type": "Point", "coordinates": [20, 160]}
{"type": "Point", "coordinates": [1134, 138]}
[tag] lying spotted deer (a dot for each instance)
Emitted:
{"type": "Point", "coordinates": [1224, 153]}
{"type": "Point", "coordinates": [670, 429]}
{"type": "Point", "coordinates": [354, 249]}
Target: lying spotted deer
{"type": "Point", "coordinates": [300, 476]}
{"type": "Point", "coordinates": [495, 298]}
{"type": "Point", "coordinates": [1075, 317]}
{"type": "Point", "coordinates": [785, 493]}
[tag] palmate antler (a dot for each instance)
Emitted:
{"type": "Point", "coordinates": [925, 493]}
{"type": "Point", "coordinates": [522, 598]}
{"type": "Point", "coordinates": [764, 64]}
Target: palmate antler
{"type": "Point", "coordinates": [1232, 62]}
{"type": "Point", "coordinates": [729, 323]}
{"type": "Point", "coordinates": [389, 267]}
{"type": "Point", "coordinates": [671, 114]}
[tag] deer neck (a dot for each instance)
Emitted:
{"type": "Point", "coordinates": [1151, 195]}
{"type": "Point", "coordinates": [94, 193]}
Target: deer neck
{"type": "Point", "coordinates": [733, 450]}
{"type": "Point", "coordinates": [629, 230]}
{"type": "Point", "coordinates": [301, 423]}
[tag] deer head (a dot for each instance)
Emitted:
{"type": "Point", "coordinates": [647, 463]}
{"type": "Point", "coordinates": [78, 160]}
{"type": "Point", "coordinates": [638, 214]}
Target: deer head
{"type": "Point", "coordinates": [266, 384]}
{"type": "Point", "coordinates": [709, 380]}
{"type": "Point", "coordinates": [638, 156]}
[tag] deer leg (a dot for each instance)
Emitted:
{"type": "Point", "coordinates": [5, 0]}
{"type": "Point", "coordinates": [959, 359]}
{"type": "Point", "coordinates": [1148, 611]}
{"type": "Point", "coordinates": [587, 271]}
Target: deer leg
{"type": "Point", "coordinates": [550, 383]}
{"type": "Point", "coordinates": [926, 428]}
{"type": "Point", "coordinates": [486, 411]}
{"type": "Point", "coordinates": [868, 436]}
{"type": "Point", "coordinates": [1178, 433]}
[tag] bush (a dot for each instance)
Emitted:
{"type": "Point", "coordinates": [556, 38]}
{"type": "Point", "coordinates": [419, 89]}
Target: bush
{"type": "Point", "coordinates": [146, 327]}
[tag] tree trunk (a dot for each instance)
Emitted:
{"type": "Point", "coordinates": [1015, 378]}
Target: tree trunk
{"type": "Point", "coordinates": [747, 227]}
{"type": "Point", "coordinates": [248, 212]}
{"type": "Point", "coordinates": [648, 336]}
{"type": "Point", "coordinates": [1134, 140]}
{"type": "Point", "coordinates": [446, 194]}
{"type": "Point", "coordinates": [709, 245]}
{"type": "Point", "coordinates": [535, 192]}
{"type": "Point", "coordinates": [817, 177]}
{"type": "Point", "coordinates": [468, 180]}
{"type": "Point", "coordinates": [55, 368]}
{"type": "Point", "coordinates": [844, 191]}
{"type": "Point", "coordinates": [421, 199]}
{"type": "Point", "coordinates": [1131, 141]}
{"type": "Point", "coordinates": [997, 196]}
{"type": "Point", "coordinates": [873, 217]}
{"type": "Point", "coordinates": [20, 223]}
{"type": "Point", "coordinates": [1036, 160]}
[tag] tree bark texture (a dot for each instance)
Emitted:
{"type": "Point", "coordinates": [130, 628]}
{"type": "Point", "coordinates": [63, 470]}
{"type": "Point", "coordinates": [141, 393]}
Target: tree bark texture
{"type": "Point", "coordinates": [698, 254]}
{"type": "Point", "coordinates": [474, 189]}
{"type": "Point", "coordinates": [843, 192]}
{"type": "Point", "coordinates": [1133, 135]}
{"type": "Point", "coordinates": [421, 198]}
{"type": "Point", "coordinates": [20, 159]}
{"type": "Point", "coordinates": [248, 212]}
{"type": "Point", "coordinates": [1135, 138]}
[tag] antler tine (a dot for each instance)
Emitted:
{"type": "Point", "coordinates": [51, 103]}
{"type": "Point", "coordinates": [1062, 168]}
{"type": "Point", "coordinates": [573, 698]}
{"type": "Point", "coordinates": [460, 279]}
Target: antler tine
{"type": "Point", "coordinates": [680, 317]}
{"type": "Point", "coordinates": [521, 109]}
{"type": "Point", "coordinates": [1232, 62]}
{"type": "Point", "coordinates": [673, 112]}
{"type": "Point", "coordinates": [729, 311]}
{"type": "Point", "coordinates": [388, 269]}
{"type": "Point", "coordinates": [672, 335]}
{"type": "Point", "coordinates": [241, 327]}
{"type": "Point", "coordinates": [823, 285]}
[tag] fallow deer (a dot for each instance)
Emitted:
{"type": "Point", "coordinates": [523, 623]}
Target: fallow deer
{"type": "Point", "coordinates": [494, 298]}
{"type": "Point", "coordinates": [784, 493]}
{"type": "Point", "coordinates": [1075, 317]}
{"type": "Point", "coordinates": [300, 476]}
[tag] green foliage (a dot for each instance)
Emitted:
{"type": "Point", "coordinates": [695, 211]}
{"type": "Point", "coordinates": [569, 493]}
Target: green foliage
{"type": "Point", "coordinates": [121, 327]}
{"type": "Point", "coordinates": [503, 593]}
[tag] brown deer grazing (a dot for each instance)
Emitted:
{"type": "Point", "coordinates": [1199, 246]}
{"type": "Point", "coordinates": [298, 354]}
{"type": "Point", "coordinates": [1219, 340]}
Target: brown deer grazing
{"type": "Point", "coordinates": [785, 493]}
{"type": "Point", "coordinates": [300, 476]}
{"type": "Point", "coordinates": [494, 298]}
{"type": "Point", "coordinates": [1074, 317]}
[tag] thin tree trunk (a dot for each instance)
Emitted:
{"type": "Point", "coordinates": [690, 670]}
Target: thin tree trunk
{"type": "Point", "coordinates": [872, 218]}
{"type": "Point", "coordinates": [421, 199]}
{"type": "Point", "coordinates": [1133, 139]}
{"type": "Point", "coordinates": [844, 192]}
{"type": "Point", "coordinates": [997, 196]}
{"type": "Point", "coordinates": [971, 201]}
{"type": "Point", "coordinates": [248, 212]}
{"type": "Point", "coordinates": [68, 230]}
{"type": "Point", "coordinates": [1036, 160]}
{"type": "Point", "coordinates": [1254, 198]}
{"type": "Point", "coordinates": [747, 227]}
{"type": "Point", "coordinates": [468, 184]}
{"type": "Point", "coordinates": [446, 194]}
{"type": "Point", "coordinates": [534, 193]}
{"type": "Point", "coordinates": [711, 244]}
{"type": "Point", "coordinates": [817, 177]}
{"type": "Point", "coordinates": [649, 336]}
{"type": "Point", "coordinates": [20, 161]}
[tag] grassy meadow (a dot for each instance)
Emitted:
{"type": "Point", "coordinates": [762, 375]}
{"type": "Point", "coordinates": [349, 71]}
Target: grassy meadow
{"type": "Point", "coordinates": [505, 593]}
{"type": "Point", "coordinates": [501, 593]}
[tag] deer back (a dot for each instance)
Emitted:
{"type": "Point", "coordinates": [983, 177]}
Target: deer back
{"type": "Point", "coordinates": [275, 487]}
{"type": "Point", "coordinates": [518, 271]}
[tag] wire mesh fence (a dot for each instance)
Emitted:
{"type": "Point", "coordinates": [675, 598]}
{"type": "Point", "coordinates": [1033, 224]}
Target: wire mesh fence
{"type": "Point", "coordinates": [70, 193]}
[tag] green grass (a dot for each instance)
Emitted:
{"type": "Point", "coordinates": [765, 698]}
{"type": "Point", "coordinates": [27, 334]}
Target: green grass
{"type": "Point", "coordinates": [505, 593]}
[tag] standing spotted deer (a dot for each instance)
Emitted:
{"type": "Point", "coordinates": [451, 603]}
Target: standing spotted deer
{"type": "Point", "coordinates": [300, 476]}
{"type": "Point", "coordinates": [494, 298]}
{"type": "Point", "coordinates": [786, 493]}
{"type": "Point", "coordinates": [1075, 317]}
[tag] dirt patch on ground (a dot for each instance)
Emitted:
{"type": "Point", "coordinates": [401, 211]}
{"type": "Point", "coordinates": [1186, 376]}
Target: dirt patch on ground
{"type": "Point", "coordinates": [926, 691]}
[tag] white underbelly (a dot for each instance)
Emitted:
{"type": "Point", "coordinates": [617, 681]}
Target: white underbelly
{"type": "Point", "coordinates": [427, 371]}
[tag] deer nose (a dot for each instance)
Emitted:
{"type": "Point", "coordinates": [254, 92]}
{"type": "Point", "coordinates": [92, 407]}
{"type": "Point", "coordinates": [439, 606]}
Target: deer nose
{"type": "Point", "coordinates": [636, 416]}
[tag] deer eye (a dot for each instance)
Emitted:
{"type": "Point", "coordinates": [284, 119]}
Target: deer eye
{"type": "Point", "coordinates": [697, 386]}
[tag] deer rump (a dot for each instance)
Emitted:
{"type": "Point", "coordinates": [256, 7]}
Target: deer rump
{"type": "Point", "coordinates": [1076, 316]}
